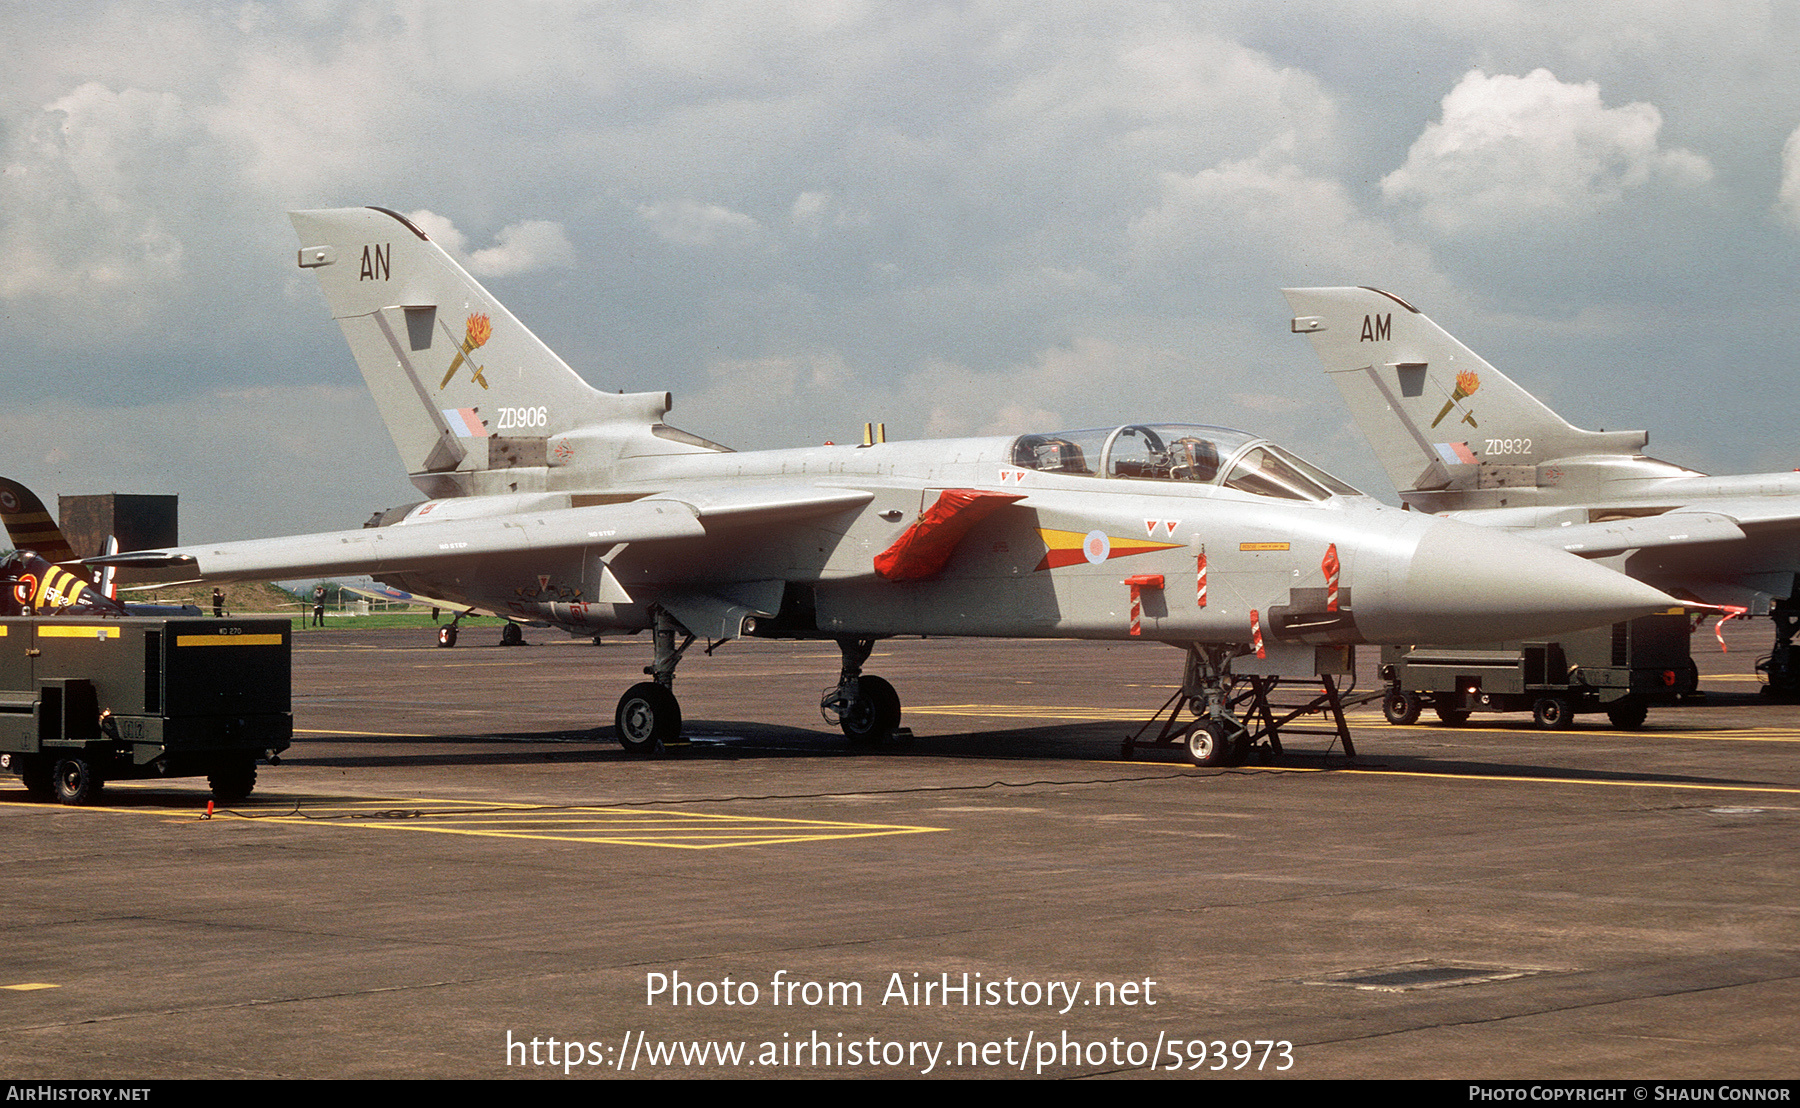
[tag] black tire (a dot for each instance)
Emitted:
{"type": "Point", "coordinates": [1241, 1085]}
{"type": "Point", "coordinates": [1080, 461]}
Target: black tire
{"type": "Point", "coordinates": [1243, 748]}
{"type": "Point", "coordinates": [512, 634]}
{"type": "Point", "coordinates": [1452, 717]}
{"type": "Point", "coordinates": [1208, 746]}
{"type": "Point", "coordinates": [647, 717]}
{"type": "Point", "coordinates": [1627, 715]}
{"type": "Point", "coordinates": [1401, 708]}
{"type": "Point", "coordinates": [1553, 713]}
{"type": "Point", "coordinates": [233, 781]}
{"type": "Point", "coordinates": [76, 780]}
{"type": "Point", "coordinates": [39, 777]}
{"type": "Point", "coordinates": [447, 635]}
{"type": "Point", "coordinates": [874, 713]}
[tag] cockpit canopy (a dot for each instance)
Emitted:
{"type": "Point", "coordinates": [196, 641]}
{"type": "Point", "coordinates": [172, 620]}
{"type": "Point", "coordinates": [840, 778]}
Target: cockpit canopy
{"type": "Point", "coordinates": [1179, 452]}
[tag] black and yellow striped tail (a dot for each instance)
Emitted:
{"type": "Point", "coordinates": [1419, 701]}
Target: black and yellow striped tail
{"type": "Point", "coordinates": [29, 525]}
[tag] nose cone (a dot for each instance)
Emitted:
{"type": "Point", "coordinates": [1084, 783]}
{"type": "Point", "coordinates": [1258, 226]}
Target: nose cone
{"type": "Point", "coordinates": [1466, 584]}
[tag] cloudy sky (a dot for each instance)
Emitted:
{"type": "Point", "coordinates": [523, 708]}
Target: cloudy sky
{"type": "Point", "coordinates": [960, 218]}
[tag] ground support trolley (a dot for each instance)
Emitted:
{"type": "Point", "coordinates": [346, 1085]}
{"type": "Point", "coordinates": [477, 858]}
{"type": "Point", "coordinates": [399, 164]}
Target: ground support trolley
{"type": "Point", "coordinates": [88, 700]}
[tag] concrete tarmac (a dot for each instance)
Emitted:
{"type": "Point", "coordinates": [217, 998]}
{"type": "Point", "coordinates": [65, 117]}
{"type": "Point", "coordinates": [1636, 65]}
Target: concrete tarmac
{"type": "Point", "coordinates": [456, 873]}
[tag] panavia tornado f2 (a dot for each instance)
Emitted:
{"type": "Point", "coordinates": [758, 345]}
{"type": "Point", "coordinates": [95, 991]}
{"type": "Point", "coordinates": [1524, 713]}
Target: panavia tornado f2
{"type": "Point", "coordinates": [1460, 438]}
{"type": "Point", "coordinates": [558, 504]}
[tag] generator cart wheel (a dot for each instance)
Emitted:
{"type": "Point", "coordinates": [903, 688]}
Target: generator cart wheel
{"type": "Point", "coordinates": [1401, 708]}
{"type": "Point", "coordinates": [39, 777]}
{"type": "Point", "coordinates": [1553, 713]}
{"type": "Point", "coordinates": [1628, 714]}
{"type": "Point", "coordinates": [1452, 717]}
{"type": "Point", "coordinates": [233, 781]}
{"type": "Point", "coordinates": [77, 781]}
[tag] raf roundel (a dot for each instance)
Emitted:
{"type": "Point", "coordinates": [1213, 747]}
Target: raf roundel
{"type": "Point", "coordinates": [1096, 547]}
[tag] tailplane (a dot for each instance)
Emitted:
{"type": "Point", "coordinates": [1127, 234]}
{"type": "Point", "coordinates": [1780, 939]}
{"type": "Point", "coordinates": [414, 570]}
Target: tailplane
{"type": "Point", "coordinates": [474, 401]}
{"type": "Point", "coordinates": [35, 587]}
{"type": "Point", "coordinates": [1452, 431]}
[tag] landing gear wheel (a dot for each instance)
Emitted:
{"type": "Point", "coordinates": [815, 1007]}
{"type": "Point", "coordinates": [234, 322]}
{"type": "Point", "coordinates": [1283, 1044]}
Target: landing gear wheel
{"type": "Point", "coordinates": [77, 781]}
{"type": "Point", "coordinates": [1452, 717]}
{"type": "Point", "coordinates": [1401, 708]}
{"type": "Point", "coordinates": [512, 634]}
{"type": "Point", "coordinates": [447, 635]}
{"type": "Point", "coordinates": [874, 712]}
{"type": "Point", "coordinates": [648, 716]}
{"type": "Point", "coordinates": [1553, 713]}
{"type": "Point", "coordinates": [1207, 744]}
{"type": "Point", "coordinates": [39, 778]}
{"type": "Point", "coordinates": [233, 781]}
{"type": "Point", "coordinates": [1242, 750]}
{"type": "Point", "coordinates": [1627, 715]}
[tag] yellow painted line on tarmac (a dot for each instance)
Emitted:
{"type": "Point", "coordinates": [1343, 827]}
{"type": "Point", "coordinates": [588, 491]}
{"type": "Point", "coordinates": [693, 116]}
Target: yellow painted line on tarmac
{"type": "Point", "coordinates": [29, 986]}
{"type": "Point", "coordinates": [635, 827]}
{"type": "Point", "coordinates": [1031, 711]}
{"type": "Point", "coordinates": [678, 830]}
{"type": "Point", "coordinates": [367, 734]}
{"type": "Point", "coordinates": [1354, 719]}
{"type": "Point", "coordinates": [1711, 734]}
{"type": "Point", "coordinates": [1786, 790]}
{"type": "Point", "coordinates": [1730, 734]}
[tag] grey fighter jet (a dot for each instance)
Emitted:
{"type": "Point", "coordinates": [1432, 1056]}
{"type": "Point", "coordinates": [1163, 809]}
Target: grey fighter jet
{"type": "Point", "coordinates": [1459, 438]}
{"type": "Point", "coordinates": [557, 503]}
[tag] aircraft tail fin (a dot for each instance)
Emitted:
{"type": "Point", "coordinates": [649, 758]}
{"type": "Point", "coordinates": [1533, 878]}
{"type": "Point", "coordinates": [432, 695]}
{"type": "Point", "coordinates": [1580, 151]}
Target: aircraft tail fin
{"type": "Point", "coordinates": [474, 401]}
{"type": "Point", "coordinates": [29, 525]}
{"type": "Point", "coordinates": [1445, 425]}
{"type": "Point", "coordinates": [35, 587]}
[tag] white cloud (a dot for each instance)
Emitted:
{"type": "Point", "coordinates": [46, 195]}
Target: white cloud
{"type": "Point", "coordinates": [1269, 216]}
{"type": "Point", "coordinates": [518, 247]}
{"type": "Point", "coordinates": [441, 230]}
{"type": "Point", "coordinates": [1787, 201]}
{"type": "Point", "coordinates": [78, 221]}
{"type": "Point", "coordinates": [523, 247]}
{"type": "Point", "coordinates": [1510, 150]}
{"type": "Point", "coordinates": [808, 213]}
{"type": "Point", "coordinates": [691, 223]}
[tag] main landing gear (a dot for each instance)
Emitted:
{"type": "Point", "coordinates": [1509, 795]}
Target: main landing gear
{"type": "Point", "coordinates": [648, 717]}
{"type": "Point", "coordinates": [866, 709]}
{"type": "Point", "coordinates": [1781, 669]}
{"type": "Point", "coordinates": [511, 634]}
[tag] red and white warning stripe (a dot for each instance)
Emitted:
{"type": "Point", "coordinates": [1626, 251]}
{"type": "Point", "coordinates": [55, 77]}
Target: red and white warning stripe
{"type": "Point", "coordinates": [1200, 579]}
{"type": "Point", "coordinates": [1727, 612]}
{"type": "Point", "coordinates": [1330, 566]}
{"type": "Point", "coordinates": [1732, 611]}
{"type": "Point", "coordinates": [1137, 584]}
{"type": "Point", "coordinates": [1256, 633]}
